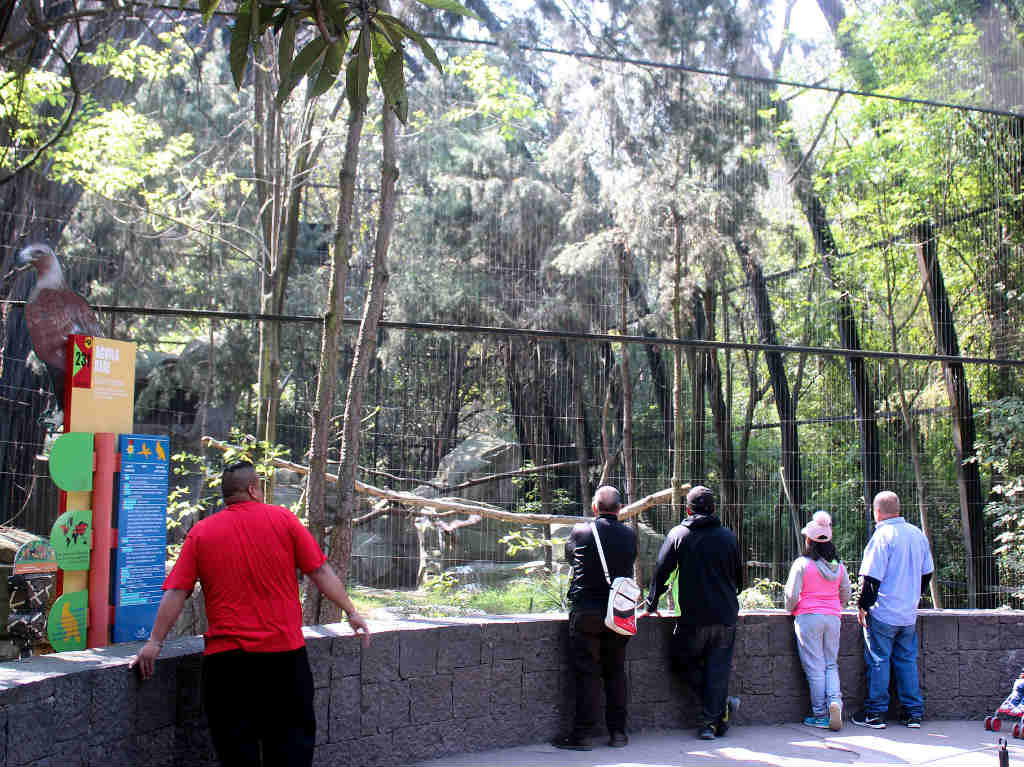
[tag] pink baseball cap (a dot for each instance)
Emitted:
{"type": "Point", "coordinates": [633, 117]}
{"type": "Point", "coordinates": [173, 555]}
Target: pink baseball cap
{"type": "Point", "coordinates": [819, 528]}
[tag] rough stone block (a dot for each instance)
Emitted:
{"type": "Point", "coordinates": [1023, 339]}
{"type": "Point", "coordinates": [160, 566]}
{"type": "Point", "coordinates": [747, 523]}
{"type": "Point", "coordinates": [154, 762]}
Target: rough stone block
{"type": "Point", "coordinates": [978, 632]}
{"type": "Point", "coordinates": [343, 716]}
{"type": "Point", "coordinates": [543, 628]}
{"type": "Point", "coordinates": [416, 744]}
{"type": "Point", "coordinates": [346, 656]}
{"type": "Point", "coordinates": [113, 703]}
{"type": "Point", "coordinates": [1011, 631]}
{"type": "Point", "coordinates": [431, 699]}
{"type": "Point", "coordinates": [981, 675]}
{"type": "Point", "coordinates": [500, 642]}
{"type": "Point", "coordinates": [851, 638]}
{"type": "Point", "coordinates": [544, 655]}
{"type": "Point", "coordinates": [418, 653]}
{"type": "Point", "coordinates": [372, 751]}
{"type": "Point", "coordinates": [757, 674]}
{"type": "Point", "coordinates": [471, 692]}
{"type": "Point", "coordinates": [460, 647]}
{"type": "Point", "coordinates": [394, 705]}
{"type": "Point", "coordinates": [156, 748]}
{"type": "Point", "coordinates": [66, 754]}
{"type": "Point", "coordinates": [31, 728]}
{"type": "Point", "coordinates": [940, 677]}
{"type": "Point", "coordinates": [379, 661]}
{"type": "Point", "coordinates": [788, 674]}
{"type": "Point", "coordinates": [117, 753]}
{"type": "Point", "coordinates": [755, 638]}
{"type": "Point", "coordinates": [649, 681]}
{"type": "Point", "coordinates": [154, 708]}
{"type": "Point", "coordinates": [319, 651]}
{"type": "Point", "coordinates": [477, 733]}
{"type": "Point", "coordinates": [541, 687]}
{"type": "Point", "coordinates": [938, 633]}
{"type": "Point", "coordinates": [506, 686]}
{"type": "Point", "coordinates": [788, 707]}
{"type": "Point", "coordinates": [189, 689]}
{"type": "Point", "coordinates": [335, 755]}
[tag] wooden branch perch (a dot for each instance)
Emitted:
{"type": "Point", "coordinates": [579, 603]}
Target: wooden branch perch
{"type": "Point", "coordinates": [441, 507]}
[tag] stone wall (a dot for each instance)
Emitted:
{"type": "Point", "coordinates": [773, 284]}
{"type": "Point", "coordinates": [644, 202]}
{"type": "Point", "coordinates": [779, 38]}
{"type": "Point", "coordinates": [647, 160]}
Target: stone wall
{"type": "Point", "coordinates": [426, 688]}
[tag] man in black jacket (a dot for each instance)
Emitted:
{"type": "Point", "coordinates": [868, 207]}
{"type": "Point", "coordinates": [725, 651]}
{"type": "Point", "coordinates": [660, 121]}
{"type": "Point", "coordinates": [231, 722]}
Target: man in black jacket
{"type": "Point", "coordinates": [597, 653]}
{"type": "Point", "coordinates": [710, 576]}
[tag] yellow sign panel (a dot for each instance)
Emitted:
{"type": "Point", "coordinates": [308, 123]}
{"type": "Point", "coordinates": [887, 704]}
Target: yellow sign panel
{"type": "Point", "coordinates": [102, 386]}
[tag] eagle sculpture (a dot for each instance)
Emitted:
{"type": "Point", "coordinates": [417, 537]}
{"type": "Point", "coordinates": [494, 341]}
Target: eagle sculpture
{"type": "Point", "coordinates": [53, 312]}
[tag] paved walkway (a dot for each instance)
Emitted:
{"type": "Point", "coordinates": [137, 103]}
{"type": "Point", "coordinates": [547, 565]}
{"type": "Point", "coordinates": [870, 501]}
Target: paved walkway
{"type": "Point", "coordinates": [936, 744]}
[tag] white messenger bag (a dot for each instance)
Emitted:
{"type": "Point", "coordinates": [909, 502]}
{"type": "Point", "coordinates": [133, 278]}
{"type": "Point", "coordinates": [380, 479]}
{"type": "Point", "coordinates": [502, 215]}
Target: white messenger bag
{"type": "Point", "coordinates": [622, 599]}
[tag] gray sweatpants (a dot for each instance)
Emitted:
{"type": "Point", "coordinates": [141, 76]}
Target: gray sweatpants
{"type": "Point", "coordinates": [817, 640]}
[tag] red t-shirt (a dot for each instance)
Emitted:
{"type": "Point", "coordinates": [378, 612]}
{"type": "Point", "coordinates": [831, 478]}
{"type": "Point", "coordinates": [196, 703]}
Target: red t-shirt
{"type": "Point", "coordinates": [245, 556]}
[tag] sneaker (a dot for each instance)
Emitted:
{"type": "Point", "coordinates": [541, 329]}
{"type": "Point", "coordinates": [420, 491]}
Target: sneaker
{"type": "Point", "coordinates": [707, 732]}
{"type": "Point", "coordinates": [914, 722]}
{"type": "Point", "coordinates": [820, 722]}
{"type": "Point", "coordinates": [618, 740]}
{"type": "Point", "coordinates": [864, 719]}
{"type": "Point", "coordinates": [732, 705]}
{"type": "Point", "coordinates": [572, 743]}
{"type": "Point", "coordinates": [835, 715]}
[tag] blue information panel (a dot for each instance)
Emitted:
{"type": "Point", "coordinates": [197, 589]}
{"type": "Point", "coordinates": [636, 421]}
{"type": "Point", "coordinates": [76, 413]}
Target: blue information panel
{"type": "Point", "coordinates": [141, 533]}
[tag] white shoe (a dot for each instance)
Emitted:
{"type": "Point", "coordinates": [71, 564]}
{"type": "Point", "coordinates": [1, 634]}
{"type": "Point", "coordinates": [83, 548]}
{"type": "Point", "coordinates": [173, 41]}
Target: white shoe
{"type": "Point", "coordinates": [835, 715]}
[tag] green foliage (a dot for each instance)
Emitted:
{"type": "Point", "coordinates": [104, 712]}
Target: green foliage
{"type": "Point", "coordinates": [763, 594]}
{"type": "Point", "coordinates": [1001, 451]}
{"type": "Point", "coordinates": [332, 21]}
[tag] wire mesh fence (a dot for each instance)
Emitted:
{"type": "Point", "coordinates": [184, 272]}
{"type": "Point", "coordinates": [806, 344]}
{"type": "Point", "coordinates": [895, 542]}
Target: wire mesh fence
{"type": "Point", "coordinates": [539, 248]}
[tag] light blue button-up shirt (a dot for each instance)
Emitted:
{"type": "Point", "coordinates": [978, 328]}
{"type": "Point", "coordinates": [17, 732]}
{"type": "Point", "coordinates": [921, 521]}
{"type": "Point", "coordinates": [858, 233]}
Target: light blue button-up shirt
{"type": "Point", "coordinates": [897, 556]}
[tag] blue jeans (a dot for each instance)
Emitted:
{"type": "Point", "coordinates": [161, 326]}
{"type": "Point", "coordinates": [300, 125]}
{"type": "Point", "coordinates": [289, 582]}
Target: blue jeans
{"type": "Point", "coordinates": [895, 645]}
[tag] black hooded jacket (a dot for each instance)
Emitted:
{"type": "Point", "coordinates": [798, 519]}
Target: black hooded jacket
{"type": "Point", "coordinates": [588, 590]}
{"type": "Point", "coordinates": [710, 571]}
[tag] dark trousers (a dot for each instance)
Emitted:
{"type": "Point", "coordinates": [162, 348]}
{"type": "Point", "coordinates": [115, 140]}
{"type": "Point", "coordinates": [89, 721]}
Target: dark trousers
{"type": "Point", "coordinates": [598, 654]}
{"type": "Point", "coordinates": [703, 655]}
{"type": "Point", "coordinates": [260, 708]}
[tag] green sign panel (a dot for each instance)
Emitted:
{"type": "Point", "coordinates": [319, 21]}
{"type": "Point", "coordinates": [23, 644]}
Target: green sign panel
{"type": "Point", "coordinates": [71, 539]}
{"type": "Point", "coordinates": [71, 458]}
{"type": "Point", "coordinates": [34, 557]}
{"type": "Point", "coordinates": [67, 623]}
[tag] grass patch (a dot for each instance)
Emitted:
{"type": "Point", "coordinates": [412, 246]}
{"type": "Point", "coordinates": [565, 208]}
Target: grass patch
{"type": "Point", "coordinates": [446, 598]}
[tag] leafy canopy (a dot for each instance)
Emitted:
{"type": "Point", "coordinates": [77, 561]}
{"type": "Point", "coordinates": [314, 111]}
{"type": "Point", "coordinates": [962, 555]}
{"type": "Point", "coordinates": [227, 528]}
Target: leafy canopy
{"type": "Point", "coordinates": [379, 39]}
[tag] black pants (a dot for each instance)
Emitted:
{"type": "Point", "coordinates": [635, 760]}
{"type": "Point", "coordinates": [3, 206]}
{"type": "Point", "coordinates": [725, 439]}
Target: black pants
{"type": "Point", "coordinates": [598, 654]}
{"type": "Point", "coordinates": [260, 708]}
{"type": "Point", "coordinates": [703, 655]}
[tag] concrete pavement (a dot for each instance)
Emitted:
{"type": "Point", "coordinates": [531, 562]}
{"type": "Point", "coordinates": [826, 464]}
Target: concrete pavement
{"type": "Point", "coordinates": [936, 744]}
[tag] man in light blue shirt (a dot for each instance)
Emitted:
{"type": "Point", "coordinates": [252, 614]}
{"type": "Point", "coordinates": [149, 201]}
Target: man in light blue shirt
{"type": "Point", "coordinates": [896, 567]}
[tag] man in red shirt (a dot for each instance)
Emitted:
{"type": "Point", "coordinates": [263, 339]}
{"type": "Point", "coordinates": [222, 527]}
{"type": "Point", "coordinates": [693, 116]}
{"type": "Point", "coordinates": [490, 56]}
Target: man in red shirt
{"type": "Point", "coordinates": [257, 683]}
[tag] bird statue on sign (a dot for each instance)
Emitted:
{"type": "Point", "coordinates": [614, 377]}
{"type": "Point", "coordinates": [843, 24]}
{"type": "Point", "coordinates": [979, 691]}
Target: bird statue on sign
{"type": "Point", "coordinates": [53, 312]}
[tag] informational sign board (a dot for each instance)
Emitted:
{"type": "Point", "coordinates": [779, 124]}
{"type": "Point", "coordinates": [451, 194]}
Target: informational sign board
{"type": "Point", "coordinates": [141, 533]}
{"type": "Point", "coordinates": [71, 539]}
{"type": "Point", "coordinates": [34, 557]}
{"type": "Point", "coordinates": [68, 621]}
{"type": "Point", "coordinates": [102, 385]}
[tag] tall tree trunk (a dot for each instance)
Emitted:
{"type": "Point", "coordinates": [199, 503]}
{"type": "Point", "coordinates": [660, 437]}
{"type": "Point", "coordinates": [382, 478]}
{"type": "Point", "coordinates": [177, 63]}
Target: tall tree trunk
{"type": "Point", "coordinates": [580, 419]}
{"type": "Point", "coordinates": [327, 372]}
{"type": "Point", "coordinates": [791, 472]}
{"type": "Point", "coordinates": [678, 437]}
{"type": "Point", "coordinates": [825, 247]}
{"type": "Point", "coordinates": [366, 350]}
{"type": "Point", "coordinates": [981, 575]}
{"type": "Point", "coordinates": [655, 361]}
{"type": "Point", "coordinates": [731, 509]}
{"type": "Point", "coordinates": [627, 382]}
{"type": "Point", "coordinates": [696, 361]}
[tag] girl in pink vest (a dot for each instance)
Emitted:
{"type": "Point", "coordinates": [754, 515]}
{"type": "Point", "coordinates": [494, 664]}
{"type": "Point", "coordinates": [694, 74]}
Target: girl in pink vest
{"type": "Point", "coordinates": [816, 590]}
